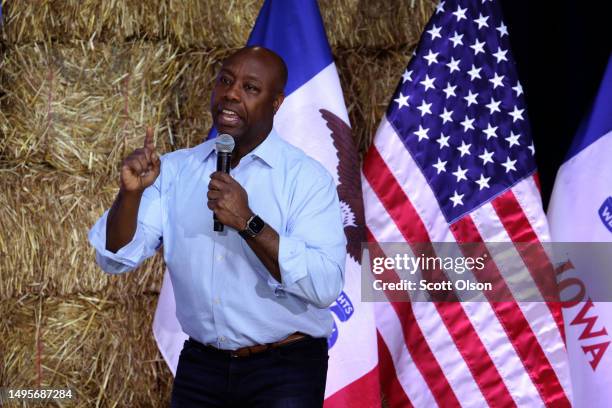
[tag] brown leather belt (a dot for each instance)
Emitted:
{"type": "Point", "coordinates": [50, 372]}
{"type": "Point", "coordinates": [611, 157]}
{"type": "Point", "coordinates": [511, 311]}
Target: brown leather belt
{"type": "Point", "coordinates": [259, 348]}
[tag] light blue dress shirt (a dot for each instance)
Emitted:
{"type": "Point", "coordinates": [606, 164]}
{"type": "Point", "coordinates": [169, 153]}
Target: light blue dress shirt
{"type": "Point", "coordinates": [224, 294]}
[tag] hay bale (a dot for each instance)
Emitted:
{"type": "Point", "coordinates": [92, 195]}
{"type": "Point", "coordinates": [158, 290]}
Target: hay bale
{"type": "Point", "coordinates": [188, 24]}
{"type": "Point", "coordinates": [210, 24]}
{"type": "Point", "coordinates": [93, 345]}
{"type": "Point", "coordinates": [80, 107]}
{"type": "Point", "coordinates": [27, 21]}
{"type": "Point", "coordinates": [379, 24]}
{"type": "Point", "coordinates": [44, 220]}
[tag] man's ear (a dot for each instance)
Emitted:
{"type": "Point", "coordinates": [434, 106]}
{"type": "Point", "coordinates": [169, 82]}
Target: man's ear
{"type": "Point", "coordinates": [278, 101]}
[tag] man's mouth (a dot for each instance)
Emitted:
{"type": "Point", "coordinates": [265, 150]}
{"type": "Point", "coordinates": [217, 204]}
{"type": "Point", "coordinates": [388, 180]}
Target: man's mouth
{"type": "Point", "coordinates": [228, 117]}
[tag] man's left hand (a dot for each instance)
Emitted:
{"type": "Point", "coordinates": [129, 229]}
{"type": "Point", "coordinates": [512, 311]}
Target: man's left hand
{"type": "Point", "coordinates": [228, 200]}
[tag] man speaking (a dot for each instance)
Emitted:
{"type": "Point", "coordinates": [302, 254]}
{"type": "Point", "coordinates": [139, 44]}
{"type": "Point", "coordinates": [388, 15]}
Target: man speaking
{"type": "Point", "coordinates": [253, 298]}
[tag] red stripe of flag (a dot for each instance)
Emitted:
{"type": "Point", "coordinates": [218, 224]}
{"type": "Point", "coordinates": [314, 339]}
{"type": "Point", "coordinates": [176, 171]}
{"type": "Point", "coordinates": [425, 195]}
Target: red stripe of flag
{"type": "Point", "coordinates": [536, 180]}
{"type": "Point", "coordinates": [392, 390]}
{"type": "Point", "coordinates": [353, 395]}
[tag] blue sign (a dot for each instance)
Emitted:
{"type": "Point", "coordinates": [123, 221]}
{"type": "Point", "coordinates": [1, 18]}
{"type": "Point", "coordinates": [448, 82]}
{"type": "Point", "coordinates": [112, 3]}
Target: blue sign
{"type": "Point", "coordinates": [605, 213]}
{"type": "Point", "coordinates": [343, 309]}
{"type": "Point", "coordinates": [333, 336]}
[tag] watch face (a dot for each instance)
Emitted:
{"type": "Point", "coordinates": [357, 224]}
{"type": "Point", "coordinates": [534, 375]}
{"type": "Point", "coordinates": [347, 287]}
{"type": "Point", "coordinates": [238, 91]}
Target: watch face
{"type": "Point", "coordinates": [256, 225]}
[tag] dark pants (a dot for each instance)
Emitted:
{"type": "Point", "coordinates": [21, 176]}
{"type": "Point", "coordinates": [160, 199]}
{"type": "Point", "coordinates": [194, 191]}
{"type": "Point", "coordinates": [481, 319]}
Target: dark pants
{"type": "Point", "coordinates": [291, 376]}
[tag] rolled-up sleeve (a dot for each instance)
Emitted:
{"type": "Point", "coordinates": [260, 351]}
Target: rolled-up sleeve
{"type": "Point", "coordinates": [146, 240]}
{"type": "Point", "coordinates": [312, 252]}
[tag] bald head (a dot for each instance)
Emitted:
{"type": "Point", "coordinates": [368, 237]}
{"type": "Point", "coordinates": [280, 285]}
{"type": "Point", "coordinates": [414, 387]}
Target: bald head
{"type": "Point", "coordinates": [248, 91]}
{"type": "Point", "coordinates": [273, 62]}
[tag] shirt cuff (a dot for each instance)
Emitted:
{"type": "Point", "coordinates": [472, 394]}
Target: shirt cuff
{"type": "Point", "coordinates": [291, 260]}
{"type": "Point", "coordinates": [129, 255]}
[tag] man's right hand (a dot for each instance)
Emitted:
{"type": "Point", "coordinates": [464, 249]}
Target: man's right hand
{"type": "Point", "coordinates": [140, 169]}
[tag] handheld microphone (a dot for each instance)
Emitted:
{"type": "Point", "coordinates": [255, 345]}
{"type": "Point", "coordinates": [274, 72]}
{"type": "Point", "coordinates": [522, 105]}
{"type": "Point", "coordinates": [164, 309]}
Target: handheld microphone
{"type": "Point", "coordinates": [224, 145]}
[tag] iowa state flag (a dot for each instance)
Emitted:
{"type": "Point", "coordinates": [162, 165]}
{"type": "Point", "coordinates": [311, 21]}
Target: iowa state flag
{"type": "Point", "coordinates": [581, 211]}
{"type": "Point", "coordinates": [314, 118]}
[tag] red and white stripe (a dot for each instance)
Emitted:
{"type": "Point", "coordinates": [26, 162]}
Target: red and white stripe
{"type": "Point", "coordinates": [462, 354]}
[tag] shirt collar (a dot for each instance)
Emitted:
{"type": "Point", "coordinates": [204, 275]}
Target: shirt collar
{"type": "Point", "coordinates": [267, 151]}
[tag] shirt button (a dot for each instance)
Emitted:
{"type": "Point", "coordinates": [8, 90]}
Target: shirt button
{"type": "Point", "coordinates": [217, 301]}
{"type": "Point", "coordinates": [222, 339]}
{"type": "Point", "coordinates": [219, 257]}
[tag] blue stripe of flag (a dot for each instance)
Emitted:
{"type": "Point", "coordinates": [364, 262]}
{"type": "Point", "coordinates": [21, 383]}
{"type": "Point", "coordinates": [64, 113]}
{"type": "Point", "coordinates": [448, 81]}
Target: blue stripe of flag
{"type": "Point", "coordinates": [281, 25]}
{"type": "Point", "coordinates": [599, 121]}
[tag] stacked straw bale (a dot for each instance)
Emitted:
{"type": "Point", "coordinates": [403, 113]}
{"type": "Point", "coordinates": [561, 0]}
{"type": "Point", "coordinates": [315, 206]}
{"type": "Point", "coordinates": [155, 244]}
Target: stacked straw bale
{"type": "Point", "coordinates": [44, 220]}
{"type": "Point", "coordinates": [79, 107]}
{"type": "Point", "coordinates": [79, 82]}
{"type": "Point", "coordinates": [380, 24]}
{"type": "Point", "coordinates": [99, 348]}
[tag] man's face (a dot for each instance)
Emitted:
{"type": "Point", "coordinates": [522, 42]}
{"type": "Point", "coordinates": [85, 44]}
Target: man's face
{"type": "Point", "coordinates": [245, 97]}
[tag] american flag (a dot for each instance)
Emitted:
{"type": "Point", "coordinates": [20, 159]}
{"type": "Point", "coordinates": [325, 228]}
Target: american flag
{"type": "Point", "coordinates": [453, 161]}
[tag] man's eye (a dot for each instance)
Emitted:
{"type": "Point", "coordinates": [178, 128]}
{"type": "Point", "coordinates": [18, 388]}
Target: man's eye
{"type": "Point", "coordinates": [225, 80]}
{"type": "Point", "coordinates": [251, 88]}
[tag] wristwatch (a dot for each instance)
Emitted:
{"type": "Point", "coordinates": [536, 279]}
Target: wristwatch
{"type": "Point", "coordinates": [254, 226]}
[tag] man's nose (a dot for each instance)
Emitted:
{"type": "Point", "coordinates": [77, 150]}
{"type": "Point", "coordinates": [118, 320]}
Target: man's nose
{"type": "Point", "coordinates": [233, 92]}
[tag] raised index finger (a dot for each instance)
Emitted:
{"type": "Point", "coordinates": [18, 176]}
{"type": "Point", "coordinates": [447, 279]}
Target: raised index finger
{"type": "Point", "coordinates": [148, 142]}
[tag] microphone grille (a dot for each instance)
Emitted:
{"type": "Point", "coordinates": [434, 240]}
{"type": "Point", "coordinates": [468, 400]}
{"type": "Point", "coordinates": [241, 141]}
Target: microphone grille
{"type": "Point", "coordinates": [224, 143]}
